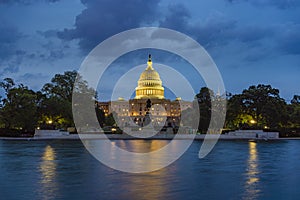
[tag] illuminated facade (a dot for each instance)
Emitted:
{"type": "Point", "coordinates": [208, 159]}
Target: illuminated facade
{"type": "Point", "coordinates": [149, 87]}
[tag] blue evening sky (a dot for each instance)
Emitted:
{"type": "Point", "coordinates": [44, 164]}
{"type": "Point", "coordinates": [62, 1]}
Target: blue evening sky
{"type": "Point", "coordinates": [252, 42]}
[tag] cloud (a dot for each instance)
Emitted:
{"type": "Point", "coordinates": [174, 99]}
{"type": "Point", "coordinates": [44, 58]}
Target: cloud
{"type": "Point", "coordinates": [39, 79]}
{"type": "Point", "coordinates": [25, 2]}
{"type": "Point", "coordinates": [102, 19]}
{"type": "Point", "coordinates": [253, 33]}
{"type": "Point", "coordinates": [56, 54]}
{"type": "Point", "coordinates": [31, 76]}
{"type": "Point", "coordinates": [48, 33]}
{"type": "Point", "coordinates": [176, 18]}
{"type": "Point", "coordinates": [216, 30]}
{"type": "Point", "coordinates": [8, 39]}
{"type": "Point", "coordinates": [281, 4]}
{"type": "Point", "coordinates": [12, 68]}
{"type": "Point", "coordinates": [289, 39]}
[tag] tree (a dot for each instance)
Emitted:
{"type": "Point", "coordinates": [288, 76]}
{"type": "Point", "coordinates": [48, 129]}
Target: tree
{"type": "Point", "coordinates": [61, 86]}
{"type": "Point", "coordinates": [56, 104]}
{"type": "Point", "coordinates": [236, 114]}
{"type": "Point", "coordinates": [296, 99]}
{"type": "Point", "coordinates": [7, 84]}
{"type": "Point", "coordinates": [293, 110]}
{"type": "Point", "coordinates": [19, 108]}
{"type": "Point", "coordinates": [100, 116]}
{"type": "Point", "coordinates": [110, 120]}
{"type": "Point", "coordinates": [55, 110]}
{"type": "Point", "coordinates": [263, 103]}
{"type": "Point", "coordinates": [204, 102]}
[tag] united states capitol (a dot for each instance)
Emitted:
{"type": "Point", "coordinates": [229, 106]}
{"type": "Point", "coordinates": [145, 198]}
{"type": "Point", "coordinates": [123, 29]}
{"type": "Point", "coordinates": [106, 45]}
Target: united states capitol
{"type": "Point", "coordinates": [149, 90]}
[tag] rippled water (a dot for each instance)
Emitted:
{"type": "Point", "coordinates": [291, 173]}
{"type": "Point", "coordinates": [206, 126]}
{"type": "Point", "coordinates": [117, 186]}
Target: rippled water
{"type": "Point", "coordinates": [233, 170]}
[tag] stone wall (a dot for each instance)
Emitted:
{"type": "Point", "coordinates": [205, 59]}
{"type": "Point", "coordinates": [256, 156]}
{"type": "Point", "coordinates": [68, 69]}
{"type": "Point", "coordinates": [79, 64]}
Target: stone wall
{"type": "Point", "coordinates": [50, 133]}
{"type": "Point", "coordinates": [254, 134]}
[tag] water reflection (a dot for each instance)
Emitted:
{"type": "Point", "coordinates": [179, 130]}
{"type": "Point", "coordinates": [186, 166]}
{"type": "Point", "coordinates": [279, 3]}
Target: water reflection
{"type": "Point", "coordinates": [252, 175]}
{"type": "Point", "coordinates": [154, 185]}
{"type": "Point", "coordinates": [155, 157]}
{"type": "Point", "coordinates": [48, 171]}
{"type": "Point", "coordinates": [141, 146]}
{"type": "Point", "coordinates": [147, 185]}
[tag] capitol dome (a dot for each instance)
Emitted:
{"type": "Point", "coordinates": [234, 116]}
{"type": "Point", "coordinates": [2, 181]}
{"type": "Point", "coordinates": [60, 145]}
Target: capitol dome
{"type": "Point", "coordinates": [149, 84]}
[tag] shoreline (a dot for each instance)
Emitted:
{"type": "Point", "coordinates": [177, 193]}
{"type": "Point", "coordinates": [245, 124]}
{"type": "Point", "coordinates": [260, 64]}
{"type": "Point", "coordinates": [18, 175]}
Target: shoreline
{"type": "Point", "coordinates": [127, 137]}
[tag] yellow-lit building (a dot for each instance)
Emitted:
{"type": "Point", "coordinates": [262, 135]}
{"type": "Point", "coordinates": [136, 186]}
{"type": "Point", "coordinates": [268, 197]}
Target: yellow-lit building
{"type": "Point", "coordinates": [149, 87]}
{"type": "Point", "coordinates": [149, 84]}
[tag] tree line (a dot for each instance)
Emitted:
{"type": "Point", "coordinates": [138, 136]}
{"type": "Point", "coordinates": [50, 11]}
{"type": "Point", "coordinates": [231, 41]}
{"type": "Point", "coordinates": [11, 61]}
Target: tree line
{"type": "Point", "coordinates": [22, 110]}
{"type": "Point", "coordinates": [258, 107]}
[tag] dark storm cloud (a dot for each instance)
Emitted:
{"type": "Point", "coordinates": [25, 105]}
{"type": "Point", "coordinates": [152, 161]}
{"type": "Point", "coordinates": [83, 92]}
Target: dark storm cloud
{"type": "Point", "coordinates": [102, 19]}
{"type": "Point", "coordinates": [216, 30]}
{"type": "Point", "coordinates": [176, 18]}
{"type": "Point", "coordinates": [281, 4]}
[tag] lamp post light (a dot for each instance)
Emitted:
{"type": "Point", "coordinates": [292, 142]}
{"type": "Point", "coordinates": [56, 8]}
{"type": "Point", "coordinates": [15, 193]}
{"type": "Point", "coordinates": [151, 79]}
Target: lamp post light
{"type": "Point", "coordinates": [253, 123]}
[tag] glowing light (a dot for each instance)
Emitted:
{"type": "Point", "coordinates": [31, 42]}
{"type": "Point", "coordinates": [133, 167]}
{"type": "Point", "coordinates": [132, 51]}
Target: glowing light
{"type": "Point", "coordinates": [48, 170]}
{"type": "Point", "coordinates": [113, 129]}
{"type": "Point", "coordinates": [252, 172]}
{"type": "Point", "coordinates": [252, 121]}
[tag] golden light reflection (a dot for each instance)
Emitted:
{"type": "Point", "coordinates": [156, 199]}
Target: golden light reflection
{"type": "Point", "coordinates": [138, 186]}
{"type": "Point", "coordinates": [252, 174]}
{"type": "Point", "coordinates": [141, 146]}
{"type": "Point", "coordinates": [152, 160]}
{"type": "Point", "coordinates": [134, 156]}
{"type": "Point", "coordinates": [157, 180]}
{"type": "Point", "coordinates": [48, 170]}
